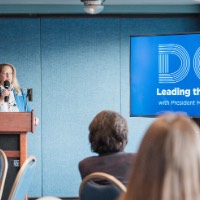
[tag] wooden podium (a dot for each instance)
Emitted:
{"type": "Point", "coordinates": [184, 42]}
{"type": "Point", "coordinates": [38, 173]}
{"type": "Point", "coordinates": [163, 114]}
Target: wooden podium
{"type": "Point", "coordinates": [14, 127]}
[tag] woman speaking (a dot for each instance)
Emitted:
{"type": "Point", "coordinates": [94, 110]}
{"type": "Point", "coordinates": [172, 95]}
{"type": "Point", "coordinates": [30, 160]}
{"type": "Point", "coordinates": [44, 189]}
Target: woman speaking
{"type": "Point", "coordinates": [12, 97]}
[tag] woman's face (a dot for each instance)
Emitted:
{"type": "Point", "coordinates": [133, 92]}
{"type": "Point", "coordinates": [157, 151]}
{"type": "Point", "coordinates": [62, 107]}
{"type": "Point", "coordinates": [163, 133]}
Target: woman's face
{"type": "Point", "coordinates": [6, 74]}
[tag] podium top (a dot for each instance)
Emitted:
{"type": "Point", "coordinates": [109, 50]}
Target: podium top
{"type": "Point", "coordinates": [16, 122]}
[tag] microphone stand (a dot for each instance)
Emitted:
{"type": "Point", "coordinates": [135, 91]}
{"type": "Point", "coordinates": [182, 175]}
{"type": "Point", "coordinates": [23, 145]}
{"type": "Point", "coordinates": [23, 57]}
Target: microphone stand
{"type": "Point", "coordinates": [28, 97]}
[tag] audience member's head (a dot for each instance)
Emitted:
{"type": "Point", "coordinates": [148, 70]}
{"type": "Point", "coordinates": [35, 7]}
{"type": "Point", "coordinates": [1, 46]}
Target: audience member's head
{"type": "Point", "coordinates": [108, 132]}
{"type": "Point", "coordinates": [167, 166]}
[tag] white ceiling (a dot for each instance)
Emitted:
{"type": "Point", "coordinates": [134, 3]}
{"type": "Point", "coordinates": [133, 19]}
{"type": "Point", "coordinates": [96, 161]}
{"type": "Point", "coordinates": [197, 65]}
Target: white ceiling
{"type": "Point", "coordinates": [110, 6]}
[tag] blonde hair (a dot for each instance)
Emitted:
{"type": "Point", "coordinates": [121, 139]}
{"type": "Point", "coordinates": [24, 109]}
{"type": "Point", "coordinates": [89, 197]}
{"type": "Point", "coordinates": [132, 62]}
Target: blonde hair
{"type": "Point", "coordinates": [167, 166]}
{"type": "Point", "coordinates": [14, 79]}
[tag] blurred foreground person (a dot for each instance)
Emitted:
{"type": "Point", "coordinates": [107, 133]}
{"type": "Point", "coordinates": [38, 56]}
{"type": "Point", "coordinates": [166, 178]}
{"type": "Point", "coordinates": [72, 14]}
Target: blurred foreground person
{"type": "Point", "coordinates": [167, 166]}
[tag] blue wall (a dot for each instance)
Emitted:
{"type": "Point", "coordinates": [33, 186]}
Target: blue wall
{"type": "Point", "coordinates": [76, 67]}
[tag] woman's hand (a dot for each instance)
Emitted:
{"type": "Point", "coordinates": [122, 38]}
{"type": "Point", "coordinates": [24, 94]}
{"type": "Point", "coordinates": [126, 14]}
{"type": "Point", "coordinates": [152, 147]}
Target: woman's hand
{"type": "Point", "coordinates": [36, 121]}
{"type": "Point", "coordinates": [4, 94]}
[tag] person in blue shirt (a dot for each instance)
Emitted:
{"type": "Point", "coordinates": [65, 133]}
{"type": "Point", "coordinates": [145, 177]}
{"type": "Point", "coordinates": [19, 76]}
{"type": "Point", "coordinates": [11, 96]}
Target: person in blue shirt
{"type": "Point", "coordinates": [12, 98]}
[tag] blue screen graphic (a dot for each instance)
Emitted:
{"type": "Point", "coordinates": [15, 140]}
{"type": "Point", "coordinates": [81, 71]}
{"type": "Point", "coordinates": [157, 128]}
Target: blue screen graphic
{"type": "Point", "coordinates": [165, 74]}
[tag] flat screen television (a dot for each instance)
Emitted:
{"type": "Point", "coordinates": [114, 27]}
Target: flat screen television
{"type": "Point", "coordinates": [165, 74]}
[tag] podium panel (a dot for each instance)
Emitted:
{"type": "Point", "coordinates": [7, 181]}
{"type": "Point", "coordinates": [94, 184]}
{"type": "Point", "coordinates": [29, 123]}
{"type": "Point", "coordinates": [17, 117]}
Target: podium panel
{"type": "Point", "coordinates": [13, 141]}
{"type": "Point", "coordinates": [10, 142]}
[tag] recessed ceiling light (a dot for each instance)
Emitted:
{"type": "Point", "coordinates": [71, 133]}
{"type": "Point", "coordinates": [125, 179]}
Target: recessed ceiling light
{"type": "Point", "coordinates": [93, 6]}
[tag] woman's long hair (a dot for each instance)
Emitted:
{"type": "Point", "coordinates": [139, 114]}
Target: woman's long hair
{"type": "Point", "coordinates": [14, 79]}
{"type": "Point", "coordinates": [167, 166]}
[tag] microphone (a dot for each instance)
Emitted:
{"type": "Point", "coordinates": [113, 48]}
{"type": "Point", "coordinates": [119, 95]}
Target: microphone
{"type": "Point", "coordinates": [6, 86]}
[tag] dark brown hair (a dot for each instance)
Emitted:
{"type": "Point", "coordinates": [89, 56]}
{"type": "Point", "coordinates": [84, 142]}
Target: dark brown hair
{"type": "Point", "coordinates": [108, 132]}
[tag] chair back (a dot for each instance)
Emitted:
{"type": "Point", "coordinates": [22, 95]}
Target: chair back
{"type": "Point", "coordinates": [3, 171]}
{"type": "Point", "coordinates": [90, 190]}
{"type": "Point", "coordinates": [48, 198]}
{"type": "Point", "coordinates": [23, 179]}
